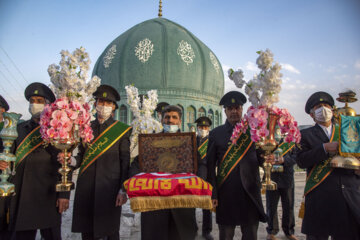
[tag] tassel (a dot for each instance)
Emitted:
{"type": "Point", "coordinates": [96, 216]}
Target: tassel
{"type": "Point", "coordinates": [302, 209]}
{"type": "Point", "coordinates": [8, 216]}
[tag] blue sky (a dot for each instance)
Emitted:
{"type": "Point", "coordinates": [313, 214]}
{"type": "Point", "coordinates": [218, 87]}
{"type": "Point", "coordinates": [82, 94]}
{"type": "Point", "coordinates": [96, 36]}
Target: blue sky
{"type": "Point", "coordinates": [316, 41]}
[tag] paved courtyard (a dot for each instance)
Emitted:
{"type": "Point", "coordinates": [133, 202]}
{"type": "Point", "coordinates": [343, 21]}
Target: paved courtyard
{"type": "Point", "coordinates": [130, 222]}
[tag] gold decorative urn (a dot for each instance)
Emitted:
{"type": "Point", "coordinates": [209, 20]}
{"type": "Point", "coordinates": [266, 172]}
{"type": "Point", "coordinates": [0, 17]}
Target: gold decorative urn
{"type": "Point", "coordinates": [8, 135]}
{"type": "Point", "coordinates": [348, 162]}
{"type": "Point", "coordinates": [268, 146]}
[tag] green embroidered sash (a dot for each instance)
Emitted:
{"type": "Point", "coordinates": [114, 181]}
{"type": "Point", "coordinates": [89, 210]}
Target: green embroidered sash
{"type": "Point", "coordinates": [286, 147]}
{"type": "Point", "coordinates": [233, 156]}
{"type": "Point", "coordinates": [32, 141]}
{"type": "Point", "coordinates": [102, 143]}
{"type": "Point", "coordinates": [203, 148]}
{"type": "Point", "coordinates": [321, 170]}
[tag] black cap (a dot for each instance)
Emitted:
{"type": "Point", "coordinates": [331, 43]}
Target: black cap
{"type": "Point", "coordinates": [203, 121]}
{"type": "Point", "coordinates": [233, 98]}
{"type": "Point", "coordinates": [316, 98]}
{"type": "Point", "coordinates": [39, 89]}
{"type": "Point", "coordinates": [161, 106]}
{"type": "Point", "coordinates": [107, 93]}
{"type": "Point", "coordinates": [3, 103]}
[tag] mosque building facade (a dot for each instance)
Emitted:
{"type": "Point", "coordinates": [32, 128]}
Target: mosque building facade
{"type": "Point", "coordinates": [160, 54]}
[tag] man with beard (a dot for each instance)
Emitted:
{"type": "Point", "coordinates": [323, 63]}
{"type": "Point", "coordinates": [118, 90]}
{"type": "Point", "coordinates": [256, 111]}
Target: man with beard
{"type": "Point", "coordinates": [203, 126]}
{"type": "Point", "coordinates": [332, 195]}
{"type": "Point", "coordinates": [174, 224]}
{"type": "Point", "coordinates": [104, 166]}
{"type": "Point", "coordinates": [236, 193]}
{"type": "Point", "coordinates": [36, 204]}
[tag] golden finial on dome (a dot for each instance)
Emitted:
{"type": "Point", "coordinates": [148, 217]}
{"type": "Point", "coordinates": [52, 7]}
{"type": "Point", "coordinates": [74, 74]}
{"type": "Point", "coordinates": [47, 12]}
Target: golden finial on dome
{"type": "Point", "coordinates": [160, 9]}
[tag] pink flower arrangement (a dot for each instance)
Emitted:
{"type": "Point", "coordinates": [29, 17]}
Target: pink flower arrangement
{"type": "Point", "coordinates": [256, 119]}
{"type": "Point", "coordinates": [65, 120]}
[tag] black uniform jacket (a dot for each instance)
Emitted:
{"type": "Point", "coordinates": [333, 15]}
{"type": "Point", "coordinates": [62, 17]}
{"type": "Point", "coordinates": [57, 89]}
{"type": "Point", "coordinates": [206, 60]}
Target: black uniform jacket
{"type": "Point", "coordinates": [201, 171]}
{"type": "Point", "coordinates": [285, 179]}
{"type": "Point", "coordinates": [333, 207]}
{"type": "Point", "coordinates": [34, 205]}
{"type": "Point", "coordinates": [239, 196]}
{"type": "Point", "coordinates": [98, 186]}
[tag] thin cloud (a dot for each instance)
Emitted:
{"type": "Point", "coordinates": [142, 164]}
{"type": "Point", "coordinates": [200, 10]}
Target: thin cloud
{"type": "Point", "coordinates": [337, 68]}
{"type": "Point", "coordinates": [357, 64]}
{"type": "Point", "coordinates": [341, 78]}
{"type": "Point", "coordinates": [290, 68]}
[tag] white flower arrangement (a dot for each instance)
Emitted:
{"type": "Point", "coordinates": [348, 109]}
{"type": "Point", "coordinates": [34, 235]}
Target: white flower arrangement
{"type": "Point", "coordinates": [143, 115]}
{"type": "Point", "coordinates": [267, 82]}
{"type": "Point", "coordinates": [69, 79]}
{"type": "Point", "coordinates": [68, 118]}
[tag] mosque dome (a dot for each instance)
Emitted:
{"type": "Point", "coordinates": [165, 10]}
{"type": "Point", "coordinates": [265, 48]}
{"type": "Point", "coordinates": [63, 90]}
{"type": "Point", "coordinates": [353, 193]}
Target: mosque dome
{"type": "Point", "coordinates": [160, 54]}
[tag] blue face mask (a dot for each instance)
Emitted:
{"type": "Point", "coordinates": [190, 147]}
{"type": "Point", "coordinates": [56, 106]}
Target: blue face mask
{"type": "Point", "coordinates": [170, 128]}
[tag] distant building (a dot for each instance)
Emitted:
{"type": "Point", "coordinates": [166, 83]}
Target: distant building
{"type": "Point", "coordinates": [160, 54]}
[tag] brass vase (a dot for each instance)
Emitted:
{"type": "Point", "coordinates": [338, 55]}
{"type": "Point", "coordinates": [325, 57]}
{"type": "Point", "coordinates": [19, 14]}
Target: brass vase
{"type": "Point", "coordinates": [268, 146]}
{"type": "Point", "coordinates": [8, 135]}
{"type": "Point", "coordinates": [64, 185]}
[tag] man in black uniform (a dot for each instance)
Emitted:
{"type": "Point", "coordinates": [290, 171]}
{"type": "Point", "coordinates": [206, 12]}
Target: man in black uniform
{"type": "Point", "coordinates": [332, 195]}
{"type": "Point", "coordinates": [178, 223]}
{"type": "Point", "coordinates": [236, 185]}
{"type": "Point", "coordinates": [203, 126]}
{"type": "Point", "coordinates": [98, 196]}
{"type": "Point", "coordinates": [4, 107]}
{"type": "Point", "coordinates": [285, 191]}
{"type": "Point", "coordinates": [36, 204]}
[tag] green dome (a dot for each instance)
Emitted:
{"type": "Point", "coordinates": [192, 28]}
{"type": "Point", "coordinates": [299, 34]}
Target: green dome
{"type": "Point", "coordinates": [160, 54]}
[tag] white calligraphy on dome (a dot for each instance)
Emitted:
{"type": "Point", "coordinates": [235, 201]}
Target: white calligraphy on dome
{"type": "Point", "coordinates": [144, 50]}
{"type": "Point", "coordinates": [109, 56]}
{"type": "Point", "coordinates": [186, 52]}
{"type": "Point", "coordinates": [214, 62]}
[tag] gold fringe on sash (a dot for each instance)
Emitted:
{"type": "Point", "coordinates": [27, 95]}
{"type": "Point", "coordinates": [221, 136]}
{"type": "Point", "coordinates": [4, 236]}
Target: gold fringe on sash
{"type": "Point", "coordinates": [144, 204]}
{"type": "Point", "coordinates": [302, 209]}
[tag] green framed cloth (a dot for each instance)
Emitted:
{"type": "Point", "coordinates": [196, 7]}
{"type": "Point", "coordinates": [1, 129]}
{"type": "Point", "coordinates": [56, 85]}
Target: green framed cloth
{"type": "Point", "coordinates": [349, 142]}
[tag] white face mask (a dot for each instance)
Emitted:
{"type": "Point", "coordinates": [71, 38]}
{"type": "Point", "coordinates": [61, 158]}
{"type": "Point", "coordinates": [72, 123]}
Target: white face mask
{"type": "Point", "coordinates": [202, 133]}
{"type": "Point", "coordinates": [104, 112]}
{"type": "Point", "coordinates": [36, 109]}
{"type": "Point", "coordinates": [170, 128]}
{"type": "Point", "coordinates": [323, 114]}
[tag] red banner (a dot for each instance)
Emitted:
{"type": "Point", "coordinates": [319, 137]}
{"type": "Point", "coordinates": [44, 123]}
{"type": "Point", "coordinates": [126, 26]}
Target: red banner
{"type": "Point", "coordinates": [154, 191]}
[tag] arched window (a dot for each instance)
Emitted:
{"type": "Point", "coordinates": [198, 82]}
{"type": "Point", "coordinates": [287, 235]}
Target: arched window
{"type": "Point", "coordinates": [211, 116]}
{"type": "Point", "coordinates": [217, 119]}
{"type": "Point", "coordinates": [201, 112]}
{"type": "Point", "coordinates": [190, 114]}
{"type": "Point", "coordinates": [123, 114]}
